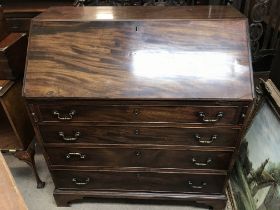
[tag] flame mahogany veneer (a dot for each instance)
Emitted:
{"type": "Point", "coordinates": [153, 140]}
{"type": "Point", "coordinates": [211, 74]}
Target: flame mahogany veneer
{"type": "Point", "coordinates": [139, 102]}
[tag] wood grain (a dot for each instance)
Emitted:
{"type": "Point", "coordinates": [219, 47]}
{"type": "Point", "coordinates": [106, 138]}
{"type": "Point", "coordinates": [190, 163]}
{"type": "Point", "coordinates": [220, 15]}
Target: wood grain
{"type": "Point", "coordinates": [138, 157]}
{"type": "Point", "coordinates": [140, 181]}
{"type": "Point", "coordinates": [139, 134]}
{"type": "Point", "coordinates": [132, 81]}
{"type": "Point", "coordinates": [5, 86]}
{"type": "Point", "coordinates": [138, 113]}
{"type": "Point", "coordinates": [10, 198]}
{"type": "Point", "coordinates": [218, 202]}
{"type": "Point", "coordinates": [136, 59]}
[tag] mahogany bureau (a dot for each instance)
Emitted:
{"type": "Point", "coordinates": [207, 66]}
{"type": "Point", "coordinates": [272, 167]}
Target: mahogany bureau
{"type": "Point", "coordinates": [139, 102]}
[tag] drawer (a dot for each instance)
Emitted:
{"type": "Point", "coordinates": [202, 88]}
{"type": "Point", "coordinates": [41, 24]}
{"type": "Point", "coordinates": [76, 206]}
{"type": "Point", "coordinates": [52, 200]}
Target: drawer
{"type": "Point", "coordinates": [113, 157]}
{"type": "Point", "coordinates": [139, 181]}
{"type": "Point", "coordinates": [130, 134]}
{"type": "Point", "coordinates": [132, 113]}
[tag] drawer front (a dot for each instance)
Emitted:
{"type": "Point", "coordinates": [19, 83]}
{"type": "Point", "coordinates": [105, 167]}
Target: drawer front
{"type": "Point", "coordinates": [139, 135]}
{"type": "Point", "coordinates": [139, 181]}
{"type": "Point", "coordinates": [139, 157]}
{"type": "Point", "coordinates": [132, 113]}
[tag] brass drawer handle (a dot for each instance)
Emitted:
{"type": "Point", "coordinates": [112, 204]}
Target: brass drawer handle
{"type": "Point", "coordinates": [65, 117]}
{"type": "Point", "coordinates": [204, 141]}
{"type": "Point", "coordinates": [75, 154]}
{"type": "Point", "coordinates": [79, 182]}
{"type": "Point", "coordinates": [219, 116]}
{"type": "Point", "coordinates": [208, 161]}
{"type": "Point", "coordinates": [75, 138]}
{"type": "Point", "coordinates": [203, 184]}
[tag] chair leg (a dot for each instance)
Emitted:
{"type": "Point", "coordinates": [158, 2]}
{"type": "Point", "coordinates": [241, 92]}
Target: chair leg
{"type": "Point", "coordinates": [27, 156]}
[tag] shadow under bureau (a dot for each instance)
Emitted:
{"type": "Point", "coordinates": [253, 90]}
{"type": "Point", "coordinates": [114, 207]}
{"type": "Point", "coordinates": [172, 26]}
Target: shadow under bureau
{"type": "Point", "coordinates": [139, 102]}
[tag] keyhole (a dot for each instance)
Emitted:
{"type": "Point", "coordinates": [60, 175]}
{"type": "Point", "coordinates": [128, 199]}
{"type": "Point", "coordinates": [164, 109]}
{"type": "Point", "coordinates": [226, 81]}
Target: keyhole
{"type": "Point", "coordinates": [138, 154]}
{"type": "Point", "coordinates": [136, 112]}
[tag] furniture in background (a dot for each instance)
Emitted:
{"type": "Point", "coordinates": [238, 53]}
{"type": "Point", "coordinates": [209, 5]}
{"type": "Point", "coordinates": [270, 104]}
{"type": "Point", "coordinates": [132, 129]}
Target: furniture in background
{"type": "Point", "coordinates": [16, 132]}
{"type": "Point", "coordinates": [3, 31]}
{"type": "Point", "coordinates": [151, 106]}
{"type": "Point", "coordinates": [10, 198]}
{"type": "Point", "coordinates": [18, 13]}
{"type": "Point", "coordinates": [264, 19]}
{"type": "Point", "coordinates": [275, 71]}
{"type": "Point", "coordinates": [12, 56]}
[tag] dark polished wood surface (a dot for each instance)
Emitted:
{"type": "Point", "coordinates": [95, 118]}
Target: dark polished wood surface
{"type": "Point", "coordinates": [161, 94]}
{"type": "Point", "coordinates": [136, 59]}
{"type": "Point", "coordinates": [216, 201]}
{"type": "Point", "coordinates": [139, 113]}
{"type": "Point", "coordinates": [139, 157]}
{"type": "Point", "coordinates": [12, 56]}
{"type": "Point", "coordinates": [5, 85]}
{"type": "Point", "coordinates": [139, 134]}
{"type": "Point", "coordinates": [3, 31]}
{"type": "Point", "coordinates": [139, 181]}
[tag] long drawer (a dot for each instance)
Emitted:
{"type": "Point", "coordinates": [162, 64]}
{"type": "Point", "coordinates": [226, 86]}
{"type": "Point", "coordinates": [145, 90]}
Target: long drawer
{"type": "Point", "coordinates": [138, 181]}
{"type": "Point", "coordinates": [135, 113]}
{"type": "Point", "coordinates": [113, 157]}
{"type": "Point", "coordinates": [130, 134]}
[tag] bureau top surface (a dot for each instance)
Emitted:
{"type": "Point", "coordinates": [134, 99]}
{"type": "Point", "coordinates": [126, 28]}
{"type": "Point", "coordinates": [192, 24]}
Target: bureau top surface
{"type": "Point", "coordinates": [139, 53]}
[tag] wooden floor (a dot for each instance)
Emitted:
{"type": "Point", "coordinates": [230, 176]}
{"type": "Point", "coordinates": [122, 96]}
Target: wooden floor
{"type": "Point", "coordinates": [10, 197]}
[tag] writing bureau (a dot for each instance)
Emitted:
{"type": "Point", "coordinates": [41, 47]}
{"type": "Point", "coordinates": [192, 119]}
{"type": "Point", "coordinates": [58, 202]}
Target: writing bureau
{"type": "Point", "coordinates": [139, 102]}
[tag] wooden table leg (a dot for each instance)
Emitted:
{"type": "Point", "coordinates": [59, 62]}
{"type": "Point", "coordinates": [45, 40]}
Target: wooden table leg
{"type": "Point", "coordinates": [28, 157]}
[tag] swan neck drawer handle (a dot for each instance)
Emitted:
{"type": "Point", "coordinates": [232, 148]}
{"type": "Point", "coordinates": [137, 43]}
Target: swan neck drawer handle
{"type": "Point", "coordinates": [205, 141]}
{"type": "Point", "coordinates": [202, 115]}
{"type": "Point", "coordinates": [80, 182]}
{"type": "Point", "coordinates": [75, 154]}
{"type": "Point", "coordinates": [68, 116]}
{"type": "Point", "coordinates": [74, 138]}
{"type": "Point", "coordinates": [208, 161]}
{"type": "Point", "coordinates": [203, 184]}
